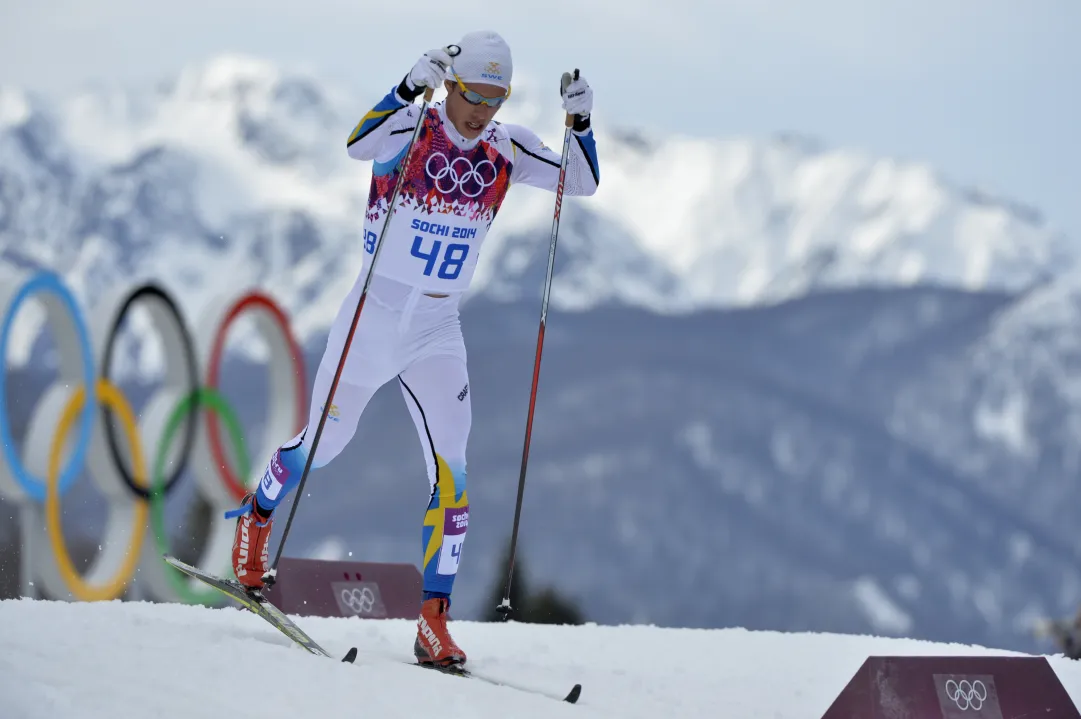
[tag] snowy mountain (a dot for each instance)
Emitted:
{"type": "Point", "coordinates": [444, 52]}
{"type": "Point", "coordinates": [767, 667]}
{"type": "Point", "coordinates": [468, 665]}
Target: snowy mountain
{"type": "Point", "coordinates": [236, 159]}
{"type": "Point", "coordinates": [813, 389]}
{"type": "Point", "coordinates": [1008, 413]}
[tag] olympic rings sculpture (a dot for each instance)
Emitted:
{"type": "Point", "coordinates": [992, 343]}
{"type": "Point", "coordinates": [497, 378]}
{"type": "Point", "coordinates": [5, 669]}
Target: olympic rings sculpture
{"type": "Point", "coordinates": [136, 462]}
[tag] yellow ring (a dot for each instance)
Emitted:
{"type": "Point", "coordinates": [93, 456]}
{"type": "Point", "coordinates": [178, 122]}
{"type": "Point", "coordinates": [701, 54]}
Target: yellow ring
{"type": "Point", "coordinates": [111, 397]}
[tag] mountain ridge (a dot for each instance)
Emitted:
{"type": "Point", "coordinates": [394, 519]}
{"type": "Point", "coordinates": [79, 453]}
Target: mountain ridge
{"type": "Point", "coordinates": [679, 223]}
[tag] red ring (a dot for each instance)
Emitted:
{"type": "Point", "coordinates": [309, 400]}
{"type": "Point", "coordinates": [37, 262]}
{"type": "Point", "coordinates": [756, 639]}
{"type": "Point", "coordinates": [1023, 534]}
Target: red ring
{"type": "Point", "coordinates": [248, 301]}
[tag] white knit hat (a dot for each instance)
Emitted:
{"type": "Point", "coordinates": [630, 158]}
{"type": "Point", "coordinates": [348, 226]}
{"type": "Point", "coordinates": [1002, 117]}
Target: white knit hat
{"type": "Point", "coordinates": [484, 59]}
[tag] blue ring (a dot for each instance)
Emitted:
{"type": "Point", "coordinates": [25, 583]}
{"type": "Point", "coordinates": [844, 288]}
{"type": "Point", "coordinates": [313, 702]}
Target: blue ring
{"type": "Point", "coordinates": [34, 487]}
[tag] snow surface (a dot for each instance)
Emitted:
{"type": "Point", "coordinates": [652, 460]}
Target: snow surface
{"type": "Point", "coordinates": [138, 660]}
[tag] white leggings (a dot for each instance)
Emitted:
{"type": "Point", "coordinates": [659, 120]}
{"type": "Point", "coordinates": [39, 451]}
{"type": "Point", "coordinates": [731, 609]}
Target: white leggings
{"type": "Point", "coordinates": [405, 335]}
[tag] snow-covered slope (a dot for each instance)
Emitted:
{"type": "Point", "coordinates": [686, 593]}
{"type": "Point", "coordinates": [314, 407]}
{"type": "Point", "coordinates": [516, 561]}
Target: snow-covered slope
{"type": "Point", "coordinates": [235, 170]}
{"type": "Point", "coordinates": [132, 660]}
{"type": "Point", "coordinates": [1007, 413]}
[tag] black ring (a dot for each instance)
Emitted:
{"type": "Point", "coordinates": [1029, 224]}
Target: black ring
{"type": "Point", "coordinates": [140, 293]}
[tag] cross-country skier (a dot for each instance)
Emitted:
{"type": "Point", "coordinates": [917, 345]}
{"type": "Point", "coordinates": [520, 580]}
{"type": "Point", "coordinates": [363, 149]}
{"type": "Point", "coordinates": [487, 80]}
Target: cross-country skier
{"type": "Point", "coordinates": [462, 165]}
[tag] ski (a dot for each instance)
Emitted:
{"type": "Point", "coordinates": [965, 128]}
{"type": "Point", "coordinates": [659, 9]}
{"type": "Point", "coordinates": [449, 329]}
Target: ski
{"type": "Point", "coordinates": [571, 697]}
{"type": "Point", "coordinates": [254, 601]}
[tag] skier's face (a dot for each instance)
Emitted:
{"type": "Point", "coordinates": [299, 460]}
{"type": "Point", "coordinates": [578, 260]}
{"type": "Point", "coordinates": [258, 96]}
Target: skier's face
{"type": "Point", "coordinates": [470, 119]}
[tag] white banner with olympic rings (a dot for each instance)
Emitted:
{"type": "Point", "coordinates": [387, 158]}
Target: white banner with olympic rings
{"type": "Point", "coordinates": [84, 424]}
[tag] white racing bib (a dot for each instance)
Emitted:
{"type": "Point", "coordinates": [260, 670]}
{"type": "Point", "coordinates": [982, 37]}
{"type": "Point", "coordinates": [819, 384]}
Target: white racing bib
{"type": "Point", "coordinates": [447, 202]}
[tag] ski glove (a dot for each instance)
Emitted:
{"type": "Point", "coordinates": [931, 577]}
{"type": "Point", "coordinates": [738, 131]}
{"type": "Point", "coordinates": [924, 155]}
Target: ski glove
{"type": "Point", "coordinates": [577, 99]}
{"type": "Point", "coordinates": [577, 96]}
{"type": "Point", "coordinates": [429, 71]}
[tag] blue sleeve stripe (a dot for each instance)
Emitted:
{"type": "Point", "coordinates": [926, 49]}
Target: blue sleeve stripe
{"type": "Point", "coordinates": [376, 116]}
{"type": "Point", "coordinates": [379, 169]}
{"type": "Point", "coordinates": [589, 148]}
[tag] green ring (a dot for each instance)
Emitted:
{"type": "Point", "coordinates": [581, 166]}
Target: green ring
{"type": "Point", "coordinates": [214, 401]}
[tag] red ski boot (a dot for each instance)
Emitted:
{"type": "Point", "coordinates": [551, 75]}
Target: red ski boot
{"type": "Point", "coordinates": [251, 544]}
{"type": "Point", "coordinates": [434, 644]}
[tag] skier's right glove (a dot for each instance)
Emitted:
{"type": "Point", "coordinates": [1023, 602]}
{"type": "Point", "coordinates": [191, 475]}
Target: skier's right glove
{"type": "Point", "coordinates": [429, 71]}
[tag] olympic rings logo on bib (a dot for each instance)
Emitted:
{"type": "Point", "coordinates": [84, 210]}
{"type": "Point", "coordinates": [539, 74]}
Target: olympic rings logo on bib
{"type": "Point", "coordinates": [74, 426]}
{"type": "Point", "coordinates": [460, 173]}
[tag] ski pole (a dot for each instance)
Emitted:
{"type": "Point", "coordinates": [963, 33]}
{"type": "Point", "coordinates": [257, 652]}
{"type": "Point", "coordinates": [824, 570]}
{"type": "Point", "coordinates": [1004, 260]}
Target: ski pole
{"type": "Point", "coordinates": [271, 574]}
{"type": "Point", "coordinates": [505, 608]}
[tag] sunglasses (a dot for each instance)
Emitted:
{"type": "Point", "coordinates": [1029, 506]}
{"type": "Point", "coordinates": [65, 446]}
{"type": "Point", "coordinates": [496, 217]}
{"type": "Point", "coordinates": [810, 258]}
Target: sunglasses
{"type": "Point", "coordinates": [475, 98]}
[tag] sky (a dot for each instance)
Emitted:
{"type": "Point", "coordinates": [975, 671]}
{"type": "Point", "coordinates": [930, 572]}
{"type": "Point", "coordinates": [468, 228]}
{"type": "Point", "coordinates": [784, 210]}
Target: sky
{"type": "Point", "coordinates": [989, 92]}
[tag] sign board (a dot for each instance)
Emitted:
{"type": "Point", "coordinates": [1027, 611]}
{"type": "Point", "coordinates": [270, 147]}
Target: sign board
{"type": "Point", "coordinates": [953, 687]}
{"type": "Point", "coordinates": [369, 590]}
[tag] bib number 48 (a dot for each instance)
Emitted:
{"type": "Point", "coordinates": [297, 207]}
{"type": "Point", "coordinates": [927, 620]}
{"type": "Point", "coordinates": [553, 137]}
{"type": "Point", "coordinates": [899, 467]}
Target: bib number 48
{"type": "Point", "coordinates": [452, 257]}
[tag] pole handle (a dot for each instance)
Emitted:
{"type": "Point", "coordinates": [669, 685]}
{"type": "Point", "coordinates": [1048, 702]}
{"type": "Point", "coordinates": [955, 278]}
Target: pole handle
{"type": "Point", "coordinates": [564, 81]}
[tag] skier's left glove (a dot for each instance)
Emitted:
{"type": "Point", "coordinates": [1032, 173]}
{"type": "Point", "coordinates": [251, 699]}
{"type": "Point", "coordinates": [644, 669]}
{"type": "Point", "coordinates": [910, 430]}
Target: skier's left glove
{"type": "Point", "coordinates": [577, 99]}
